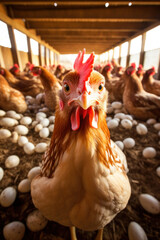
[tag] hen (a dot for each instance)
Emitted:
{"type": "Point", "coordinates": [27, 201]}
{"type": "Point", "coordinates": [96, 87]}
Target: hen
{"type": "Point", "coordinates": [136, 100]}
{"type": "Point", "coordinates": [27, 87]}
{"type": "Point", "coordinates": [140, 72]}
{"type": "Point", "coordinates": [10, 98]}
{"type": "Point", "coordinates": [83, 182]}
{"type": "Point", "coordinates": [51, 86]}
{"type": "Point", "coordinates": [149, 83]}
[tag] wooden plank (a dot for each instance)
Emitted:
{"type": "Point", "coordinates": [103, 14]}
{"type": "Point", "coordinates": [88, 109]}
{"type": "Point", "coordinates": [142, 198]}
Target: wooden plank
{"type": "Point", "coordinates": [140, 13]}
{"type": "Point", "coordinates": [29, 50]}
{"type": "Point", "coordinates": [13, 44]}
{"type": "Point", "coordinates": [128, 54]}
{"type": "Point", "coordinates": [142, 53]}
{"type": "Point", "coordinates": [40, 55]}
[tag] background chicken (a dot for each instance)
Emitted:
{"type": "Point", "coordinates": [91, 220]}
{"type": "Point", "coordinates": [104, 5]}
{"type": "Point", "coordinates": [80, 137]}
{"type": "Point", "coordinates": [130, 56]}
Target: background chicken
{"type": "Point", "coordinates": [136, 100]}
{"type": "Point", "coordinates": [27, 87]}
{"type": "Point", "coordinates": [149, 83]}
{"type": "Point", "coordinates": [51, 86]}
{"type": "Point", "coordinates": [10, 98]}
{"type": "Point", "coordinates": [83, 182]}
{"type": "Point", "coordinates": [140, 72]}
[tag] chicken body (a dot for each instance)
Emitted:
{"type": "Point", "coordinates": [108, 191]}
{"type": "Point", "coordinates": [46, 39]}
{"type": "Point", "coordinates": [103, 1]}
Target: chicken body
{"type": "Point", "coordinates": [10, 98]}
{"type": "Point", "coordinates": [137, 101]}
{"type": "Point", "coordinates": [150, 84]}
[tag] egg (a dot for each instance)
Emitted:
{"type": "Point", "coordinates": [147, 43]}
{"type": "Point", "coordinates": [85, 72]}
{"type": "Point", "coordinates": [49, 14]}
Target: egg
{"type": "Point", "coordinates": [8, 122]}
{"type": "Point", "coordinates": [36, 221]}
{"type": "Point", "coordinates": [157, 126]}
{"type": "Point", "coordinates": [112, 124]}
{"type": "Point", "coordinates": [14, 231]}
{"type": "Point", "coordinates": [44, 122]}
{"type": "Point", "coordinates": [29, 148]}
{"type": "Point", "coordinates": [22, 140]}
{"type": "Point", "coordinates": [2, 113]}
{"type": "Point", "coordinates": [24, 186]}
{"type": "Point", "coordinates": [129, 117]}
{"type": "Point", "coordinates": [26, 121]}
{"type": "Point", "coordinates": [149, 203]}
{"type": "Point", "coordinates": [119, 115]}
{"type": "Point", "coordinates": [1, 173]}
{"type": "Point", "coordinates": [149, 152]}
{"type": "Point", "coordinates": [141, 129]}
{"type": "Point", "coordinates": [158, 171]}
{"type": "Point", "coordinates": [13, 114]}
{"type": "Point", "coordinates": [51, 119]}
{"type": "Point", "coordinates": [41, 147]}
{"type": "Point", "coordinates": [110, 110]}
{"type": "Point", "coordinates": [44, 109]}
{"type": "Point", "coordinates": [126, 123]}
{"type": "Point", "coordinates": [34, 123]}
{"type": "Point", "coordinates": [21, 130]}
{"type": "Point", "coordinates": [39, 118]}
{"type": "Point", "coordinates": [136, 232]}
{"type": "Point", "coordinates": [42, 114]}
{"type": "Point", "coordinates": [4, 133]}
{"type": "Point", "coordinates": [14, 137]}
{"type": "Point", "coordinates": [12, 161]}
{"type": "Point", "coordinates": [134, 122]}
{"type": "Point", "coordinates": [44, 133]}
{"type": "Point", "coordinates": [39, 98]}
{"type": "Point", "coordinates": [33, 172]}
{"type": "Point", "coordinates": [129, 142]}
{"type": "Point", "coordinates": [151, 121]}
{"type": "Point", "coordinates": [51, 127]}
{"type": "Point", "coordinates": [38, 127]}
{"type": "Point", "coordinates": [8, 196]}
{"type": "Point", "coordinates": [30, 100]}
{"type": "Point", "coordinates": [120, 144]}
{"type": "Point", "coordinates": [116, 105]}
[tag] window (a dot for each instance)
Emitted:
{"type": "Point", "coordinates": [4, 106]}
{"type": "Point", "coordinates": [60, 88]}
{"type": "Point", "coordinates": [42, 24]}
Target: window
{"type": "Point", "coordinates": [110, 54]}
{"type": "Point", "coordinates": [116, 52]}
{"type": "Point", "coordinates": [34, 47]}
{"type": "Point", "coordinates": [124, 49]}
{"type": "Point", "coordinates": [21, 41]}
{"type": "Point", "coordinates": [152, 39]}
{"type": "Point", "coordinates": [4, 38]}
{"type": "Point", "coordinates": [136, 45]}
{"type": "Point", "coordinates": [42, 50]}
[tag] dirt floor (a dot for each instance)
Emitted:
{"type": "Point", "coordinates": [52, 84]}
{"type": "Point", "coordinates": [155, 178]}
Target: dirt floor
{"type": "Point", "coordinates": [142, 175]}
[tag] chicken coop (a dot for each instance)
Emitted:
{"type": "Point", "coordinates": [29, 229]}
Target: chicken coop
{"type": "Point", "coordinates": [79, 120]}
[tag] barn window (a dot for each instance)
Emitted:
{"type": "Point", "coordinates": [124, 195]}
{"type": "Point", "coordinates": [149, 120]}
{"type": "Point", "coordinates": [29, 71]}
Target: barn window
{"type": "Point", "coordinates": [21, 41]}
{"type": "Point", "coordinates": [124, 52]}
{"type": "Point", "coordinates": [34, 47]}
{"type": "Point", "coordinates": [135, 50]}
{"type": "Point", "coordinates": [110, 54]}
{"type": "Point", "coordinates": [116, 53]}
{"type": "Point", "coordinates": [4, 38]}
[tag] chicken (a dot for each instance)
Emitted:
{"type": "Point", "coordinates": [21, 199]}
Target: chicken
{"type": "Point", "coordinates": [27, 87]}
{"type": "Point", "coordinates": [149, 83]}
{"type": "Point", "coordinates": [116, 68]}
{"type": "Point", "coordinates": [140, 72]}
{"type": "Point", "coordinates": [51, 86]}
{"type": "Point", "coordinates": [10, 98]}
{"type": "Point", "coordinates": [83, 182]}
{"type": "Point", "coordinates": [136, 100]}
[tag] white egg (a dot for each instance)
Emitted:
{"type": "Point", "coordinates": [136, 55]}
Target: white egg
{"type": "Point", "coordinates": [39, 118]}
{"type": "Point", "coordinates": [14, 137]}
{"type": "Point", "coordinates": [8, 196]}
{"type": "Point", "coordinates": [120, 145]}
{"type": "Point", "coordinates": [2, 113]}
{"type": "Point", "coordinates": [134, 122]}
{"type": "Point", "coordinates": [8, 122]}
{"type": "Point", "coordinates": [51, 119]}
{"type": "Point", "coordinates": [108, 118]}
{"type": "Point", "coordinates": [44, 133]}
{"type": "Point", "coordinates": [126, 123]}
{"type": "Point", "coordinates": [38, 127]}
{"type": "Point", "coordinates": [22, 141]}
{"type": "Point", "coordinates": [151, 121]}
{"type": "Point", "coordinates": [141, 129]}
{"type": "Point", "coordinates": [51, 127]}
{"type": "Point", "coordinates": [39, 98]}
{"type": "Point", "coordinates": [30, 100]}
{"type": "Point", "coordinates": [12, 161]}
{"type": "Point", "coordinates": [157, 126]}
{"type": "Point", "coordinates": [117, 111]}
{"type": "Point", "coordinates": [42, 114]}
{"type": "Point", "coordinates": [116, 105]}
{"type": "Point", "coordinates": [112, 124]}
{"type": "Point", "coordinates": [21, 129]}
{"type": "Point", "coordinates": [24, 186]}
{"type": "Point", "coordinates": [110, 110]}
{"type": "Point", "coordinates": [44, 122]}
{"type": "Point", "coordinates": [149, 152]}
{"type": "Point", "coordinates": [44, 109]}
{"type": "Point", "coordinates": [129, 117]}
{"type": "Point", "coordinates": [26, 121]}
{"type": "Point", "coordinates": [129, 142]}
{"type": "Point", "coordinates": [158, 171]}
{"type": "Point", "coordinates": [119, 115]}
{"type": "Point", "coordinates": [34, 172]}
{"type": "Point", "coordinates": [1, 173]}
{"type": "Point", "coordinates": [4, 133]}
{"type": "Point", "coordinates": [117, 119]}
{"type": "Point", "coordinates": [36, 221]}
{"type": "Point", "coordinates": [14, 231]}
{"type": "Point", "coordinates": [29, 148]}
{"type": "Point", "coordinates": [136, 232]}
{"type": "Point", "coordinates": [34, 123]}
{"type": "Point", "coordinates": [41, 147]}
{"type": "Point", "coordinates": [149, 203]}
{"type": "Point", "coordinates": [13, 114]}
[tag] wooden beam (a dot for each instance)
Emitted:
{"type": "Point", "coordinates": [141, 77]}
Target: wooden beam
{"type": "Point", "coordinates": [29, 50]}
{"type": "Point", "coordinates": [141, 13]}
{"type": "Point", "coordinates": [13, 44]}
{"type": "Point", "coordinates": [40, 54]}
{"type": "Point", "coordinates": [142, 53]}
{"type": "Point", "coordinates": [128, 54]}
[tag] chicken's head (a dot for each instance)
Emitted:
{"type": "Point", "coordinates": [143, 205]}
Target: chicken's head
{"type": "Point", "coordinates": [83, 95]}
{"type": "Point", "coordinates": [36, 71]}
{"type": "Point", "coordinates": [2, 72]}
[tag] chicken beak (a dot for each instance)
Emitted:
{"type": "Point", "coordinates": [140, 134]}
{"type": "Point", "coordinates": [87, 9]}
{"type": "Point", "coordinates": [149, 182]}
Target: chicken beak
{"type": "Point", "coordinates": [85, 100]}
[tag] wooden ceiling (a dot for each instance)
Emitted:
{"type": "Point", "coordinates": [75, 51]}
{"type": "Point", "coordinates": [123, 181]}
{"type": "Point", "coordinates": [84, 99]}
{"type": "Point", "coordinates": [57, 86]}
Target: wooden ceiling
{"type": "Point", "coordinates": [73, 25]}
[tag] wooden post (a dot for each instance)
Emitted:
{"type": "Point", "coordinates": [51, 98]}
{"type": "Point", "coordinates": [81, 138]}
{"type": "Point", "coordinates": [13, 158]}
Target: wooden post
{"type": "Point", "coordinates": [29, 50]}
{"type": "Point", "coordinates": [128, 54]}
{"type": "Point", "coordinates": [49, 56]}
{"type": "Point", "coordinates": [119, 60]}
{"type": "Point", "coordinates": [142, 53]}
{"type": "Point", "coordinates": [39, 52]}
{"type": "Point", "coordinates": [45, 56]}
{"type": "Point", "coordinates": [13, 44]}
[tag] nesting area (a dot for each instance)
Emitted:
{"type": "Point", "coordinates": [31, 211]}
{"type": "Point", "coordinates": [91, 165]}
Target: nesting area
{"type": "Point", "coordinates": [143, 176]}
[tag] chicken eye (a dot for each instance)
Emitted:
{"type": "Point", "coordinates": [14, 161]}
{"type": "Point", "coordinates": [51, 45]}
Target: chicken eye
{"type": "Point", "coordinates": [66, 88]}
{"type": "Point", "coordinates": [100, 87]}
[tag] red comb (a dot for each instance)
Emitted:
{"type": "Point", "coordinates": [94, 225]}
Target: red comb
{"type": "Point", "coordinates": [140, 66]}
{"type": "Point", "coordinates": [16, 65]}
{"type": "Point", "coordinates": [133, 65]}
{"type": "Point", "coordinates": [31, 66]}
{"type": "Point", "coordinates": [84, 69]}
